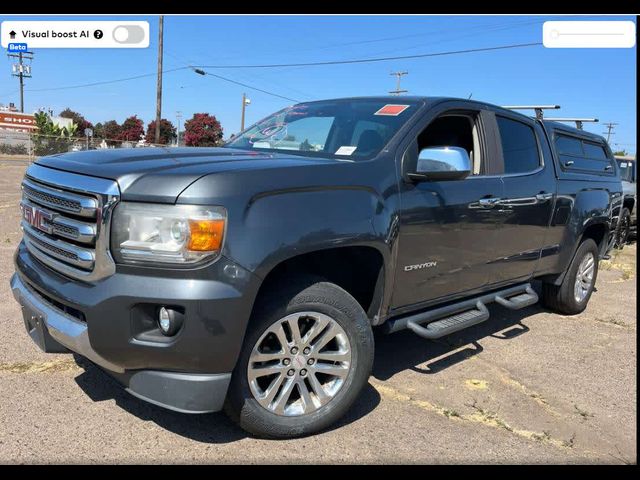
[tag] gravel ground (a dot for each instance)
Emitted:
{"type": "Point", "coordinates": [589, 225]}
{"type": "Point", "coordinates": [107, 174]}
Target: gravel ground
{"type": "Point", "coordinates": [525, 387]}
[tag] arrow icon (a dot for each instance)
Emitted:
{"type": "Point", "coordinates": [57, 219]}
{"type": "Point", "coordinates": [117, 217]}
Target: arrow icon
{"type": "Point", "coordinates": [12, 35]}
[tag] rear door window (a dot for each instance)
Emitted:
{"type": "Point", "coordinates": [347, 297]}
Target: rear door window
{"type": "Point", "coordinates": [519, 146]}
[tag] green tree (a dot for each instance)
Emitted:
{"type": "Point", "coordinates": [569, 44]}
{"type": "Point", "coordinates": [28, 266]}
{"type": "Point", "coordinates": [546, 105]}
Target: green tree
{"type": "Point", "coordinates": [78, 119]}
{"type": "Point", "coordinates": [620, 153]}
{"type": "Point", "coordinates": [50, 138]}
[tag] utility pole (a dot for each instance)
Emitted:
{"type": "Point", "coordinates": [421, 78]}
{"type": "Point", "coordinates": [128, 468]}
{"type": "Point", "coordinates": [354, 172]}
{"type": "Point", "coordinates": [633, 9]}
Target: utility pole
{"type": "Point", "coordinates": [245, 102]}
{"type": "Point", "coordinates": [21, 71]}
{"type": "Point", "coordinates": [398, 75]}
{"type": "Point", "coordinates": [159, 88]}
{"type": "Point", "coordinates": [178, 117]}
{"type": "Point", "coordinates": [610, 131]}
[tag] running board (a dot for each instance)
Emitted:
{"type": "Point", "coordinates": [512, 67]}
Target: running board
{"type": "Point", "coordinates": [458, 316]}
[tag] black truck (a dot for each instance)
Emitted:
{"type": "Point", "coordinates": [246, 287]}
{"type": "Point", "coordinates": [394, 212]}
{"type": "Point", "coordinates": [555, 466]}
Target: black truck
{"type": "Point", "coordinates": [250, 277]}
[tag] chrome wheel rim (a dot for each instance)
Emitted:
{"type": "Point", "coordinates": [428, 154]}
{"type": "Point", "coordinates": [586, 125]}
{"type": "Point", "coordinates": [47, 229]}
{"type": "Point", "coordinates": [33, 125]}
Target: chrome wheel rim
{"type": "Point", "coordinates": [584, 277]}
{"type": "Point", "coordinates": [299, 364]}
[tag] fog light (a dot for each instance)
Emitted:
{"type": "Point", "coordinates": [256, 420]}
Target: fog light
{"type": "Point", "coordinates": [169, 321]}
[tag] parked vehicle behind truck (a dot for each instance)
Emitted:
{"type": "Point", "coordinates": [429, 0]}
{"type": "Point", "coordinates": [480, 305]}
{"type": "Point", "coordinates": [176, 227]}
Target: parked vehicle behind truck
{"type": "Point", "coordinates": [250, 276]}
{"type": "Point", "coordinates": [628, 171]}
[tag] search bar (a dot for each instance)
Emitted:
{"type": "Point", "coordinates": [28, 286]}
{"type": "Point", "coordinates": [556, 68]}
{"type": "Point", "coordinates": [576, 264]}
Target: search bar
{"type": "Point", "coordinates": [593, 34]}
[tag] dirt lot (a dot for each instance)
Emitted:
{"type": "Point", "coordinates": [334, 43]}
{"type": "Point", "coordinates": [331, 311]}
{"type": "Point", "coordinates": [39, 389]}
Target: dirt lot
{"type": "Point", "coordinates": [527, 386]}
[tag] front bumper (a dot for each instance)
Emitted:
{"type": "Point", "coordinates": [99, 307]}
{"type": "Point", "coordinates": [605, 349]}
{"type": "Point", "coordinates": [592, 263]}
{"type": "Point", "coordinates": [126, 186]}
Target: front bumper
{"type": "Point", "coordinates": [188, 373]}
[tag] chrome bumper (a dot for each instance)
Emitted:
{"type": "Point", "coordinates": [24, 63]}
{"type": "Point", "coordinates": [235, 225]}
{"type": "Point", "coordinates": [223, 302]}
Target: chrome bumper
{"type": "Point", "coordinates": [42, 318]}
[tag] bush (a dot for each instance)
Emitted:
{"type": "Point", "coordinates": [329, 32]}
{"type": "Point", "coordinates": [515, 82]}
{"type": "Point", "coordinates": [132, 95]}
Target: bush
{"type": "Point", "coordinates": [20, 149]}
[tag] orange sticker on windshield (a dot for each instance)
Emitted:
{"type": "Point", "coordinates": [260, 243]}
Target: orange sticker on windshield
{"type": "Point", "coordinates": [393, 110]}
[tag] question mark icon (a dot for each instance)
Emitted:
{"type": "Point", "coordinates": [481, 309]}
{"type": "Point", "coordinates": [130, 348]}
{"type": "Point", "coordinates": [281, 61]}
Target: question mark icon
{"type": "Point", "coordinates": [98, 34]}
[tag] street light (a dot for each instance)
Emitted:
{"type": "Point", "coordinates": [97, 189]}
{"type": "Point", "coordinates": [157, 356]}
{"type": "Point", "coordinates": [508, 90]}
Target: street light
{"type": "Point", "coordinates": [245, 101]}
{"type": "Point", "coordinates": [178, 117]}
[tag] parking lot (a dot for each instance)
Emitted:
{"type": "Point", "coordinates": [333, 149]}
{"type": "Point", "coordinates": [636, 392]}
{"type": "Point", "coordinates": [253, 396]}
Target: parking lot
{"type": "Point", "coordinates": [527, 386]}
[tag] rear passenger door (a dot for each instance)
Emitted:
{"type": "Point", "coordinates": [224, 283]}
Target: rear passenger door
{"type": "Point", "coordinates": [528, 197]}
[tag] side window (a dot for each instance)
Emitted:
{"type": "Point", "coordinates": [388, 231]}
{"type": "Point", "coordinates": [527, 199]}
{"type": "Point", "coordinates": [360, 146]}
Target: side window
{"type": "Point", "coordinates": [578, 154]}
{"type": "Point", "coordinates": [453, 130]}
{"type": "Point", "coordinates": [569, 146]}
{"type": "Point", "coordinates": [519, 146]}
{"type": "Point", "coordinates": [591, 150]}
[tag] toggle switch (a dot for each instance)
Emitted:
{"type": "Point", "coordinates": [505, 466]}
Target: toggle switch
{"type": "Point", "coordinates": [128, 34]}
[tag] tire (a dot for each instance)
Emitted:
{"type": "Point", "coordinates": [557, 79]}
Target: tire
{"type": "Point", "coordinates": [622, 232]}
{"type": "Point", "coordinates": [320, 300]}
{"type": "Point", "coordinates": [563, 298]}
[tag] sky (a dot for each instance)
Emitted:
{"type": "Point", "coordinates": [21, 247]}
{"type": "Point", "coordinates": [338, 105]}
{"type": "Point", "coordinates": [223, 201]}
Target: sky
{"type": "Point", "coordinates": [585, 82]}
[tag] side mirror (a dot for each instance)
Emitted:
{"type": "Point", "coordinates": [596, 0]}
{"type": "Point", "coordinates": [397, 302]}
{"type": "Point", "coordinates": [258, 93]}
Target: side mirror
{"type": "Point", "coordinates": [442, 163]}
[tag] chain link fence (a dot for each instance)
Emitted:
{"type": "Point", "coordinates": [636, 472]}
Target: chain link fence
{"type": "Point", "coordinates": [23, 145]}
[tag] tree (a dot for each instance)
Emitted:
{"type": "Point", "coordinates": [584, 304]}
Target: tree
{"type": "Point", "coordinates": [50, 138]}
{"type": "Point", "coordinates": [132, 129]}
{"type": "Point", "coordinates": [620, 153]}
{"type": "Point", "coordinates": [167, 132]}
{"type": "Point", "coordinates": [110, 131]}
{"type": "Point", "coordinates": [78, 119]}
{"type": "Point", "coordinates": [203, 130]}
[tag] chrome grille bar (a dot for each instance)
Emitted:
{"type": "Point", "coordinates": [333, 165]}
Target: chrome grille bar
{"type": "Point", "coordinates": [67, 252]}
{"type": "Point", "coordinates": [59, 200]}
{"type": "Point", "coordinates": [66, 221]}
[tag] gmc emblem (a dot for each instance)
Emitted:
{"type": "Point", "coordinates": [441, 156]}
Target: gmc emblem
{"type": "Point", "coordinates": [37, 218]}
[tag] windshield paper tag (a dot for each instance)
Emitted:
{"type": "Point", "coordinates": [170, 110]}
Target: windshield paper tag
{"type": "Point", "coordinates": [393, 110]}
{"type": "Point", "coordinates": [345, 150]}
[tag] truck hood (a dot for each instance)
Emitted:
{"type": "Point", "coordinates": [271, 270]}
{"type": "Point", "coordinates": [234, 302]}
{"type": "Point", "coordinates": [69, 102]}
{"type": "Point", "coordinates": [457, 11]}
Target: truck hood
{"type": "Point", "coordinates": [161, 174]}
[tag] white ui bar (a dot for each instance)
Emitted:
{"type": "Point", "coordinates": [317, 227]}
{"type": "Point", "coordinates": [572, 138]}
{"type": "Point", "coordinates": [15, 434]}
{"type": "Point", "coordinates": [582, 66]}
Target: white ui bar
{"type": "Point", "coordinates": [19, 35]}
{"type": "Point", "coordinates": [589, 34]}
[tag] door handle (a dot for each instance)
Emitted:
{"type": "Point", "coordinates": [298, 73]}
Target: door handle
{"type": "Point", "coordinates": [607, 168]}
{"type": "Point", "coordinates": [489, 202]}
{"type": "Point", "coordinates": [568, 163]}
{"type": "Point", "coordinates": [543, 197]}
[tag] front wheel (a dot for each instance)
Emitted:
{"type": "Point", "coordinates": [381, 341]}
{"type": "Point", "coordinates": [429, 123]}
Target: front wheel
{"type": "Point", "coordinates": [307, 355]}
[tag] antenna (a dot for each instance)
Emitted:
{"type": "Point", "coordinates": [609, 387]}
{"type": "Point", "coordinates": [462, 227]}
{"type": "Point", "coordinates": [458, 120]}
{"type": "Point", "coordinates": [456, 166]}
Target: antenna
{"type": "Point", "coordinates": [578, 121]}
{"type": "Point", "coordinates": [537, 108]}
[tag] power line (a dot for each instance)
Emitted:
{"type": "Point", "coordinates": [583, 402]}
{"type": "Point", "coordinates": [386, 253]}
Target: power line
{"type": "Point", "coordinates": [202, 72]}
{"type": "Point", "coordinates": [371, 60]}
{"type": "Point", "coordinates": [106, 82]}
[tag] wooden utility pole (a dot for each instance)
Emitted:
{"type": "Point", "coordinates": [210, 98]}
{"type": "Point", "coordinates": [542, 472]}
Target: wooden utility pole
{"type": "Point", "coordinates": [22, 71]}
{"type": "Point", "coordinates": [159, 88]}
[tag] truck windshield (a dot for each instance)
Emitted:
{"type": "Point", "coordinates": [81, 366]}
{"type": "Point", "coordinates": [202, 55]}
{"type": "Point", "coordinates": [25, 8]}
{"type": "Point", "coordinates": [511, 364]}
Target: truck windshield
{"type": "Point", "coordinates": [627, 170]}
{"type": "Point", "coordinates": [354, 129]}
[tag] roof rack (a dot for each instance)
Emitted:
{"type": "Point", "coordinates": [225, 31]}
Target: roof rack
{"type": "Point", "coordinates": [537, 108]}
{"type": "Point", "coordinates": [578, 121]}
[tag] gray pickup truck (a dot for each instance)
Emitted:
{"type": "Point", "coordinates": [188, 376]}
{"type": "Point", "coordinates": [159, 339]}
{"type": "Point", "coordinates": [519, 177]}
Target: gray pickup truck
{"type": "Point", "coordinates": [628, 173]}
{"type": "Point", "coordinates": [250, 277]}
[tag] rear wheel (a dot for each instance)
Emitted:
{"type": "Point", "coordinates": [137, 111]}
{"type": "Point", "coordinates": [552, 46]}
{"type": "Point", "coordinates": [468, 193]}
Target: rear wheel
{"type": "Point", "coordinates": [622, 236]}
{"type": "Point", "coordinates": [573, 294]}
{"type": "Point", "coordinates": [307, 355]}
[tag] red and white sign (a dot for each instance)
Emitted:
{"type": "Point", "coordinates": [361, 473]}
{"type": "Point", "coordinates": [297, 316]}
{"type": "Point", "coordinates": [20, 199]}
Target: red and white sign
{"type": "Point", "coordinates": [17, 121]}
{"type": "Point", "coordinates": [392, 110]}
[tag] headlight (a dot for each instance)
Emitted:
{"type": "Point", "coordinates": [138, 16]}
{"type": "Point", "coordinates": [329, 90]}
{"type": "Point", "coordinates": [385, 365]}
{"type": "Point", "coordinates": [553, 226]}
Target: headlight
{"type": "Point", "coordinates": [177, 234]}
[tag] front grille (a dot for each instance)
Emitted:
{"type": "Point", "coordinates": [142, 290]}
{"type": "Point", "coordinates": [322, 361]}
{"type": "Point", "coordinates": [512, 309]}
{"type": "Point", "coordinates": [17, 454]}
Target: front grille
{"type": "Point", "coordinates": [51, 200]}
{"type": "Point", "coordinates": [65, 220]}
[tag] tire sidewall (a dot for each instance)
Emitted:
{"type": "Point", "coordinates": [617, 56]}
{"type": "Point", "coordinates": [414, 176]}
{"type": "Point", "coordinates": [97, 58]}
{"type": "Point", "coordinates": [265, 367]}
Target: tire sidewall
{"type": "Point", "coordinates": [587, 246]}
{"type": "Point", "coordinates": [322, 297]}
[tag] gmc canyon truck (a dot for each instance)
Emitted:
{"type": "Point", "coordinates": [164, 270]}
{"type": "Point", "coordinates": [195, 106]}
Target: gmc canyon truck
{"type": "Point", "coordinates": [250, 277]}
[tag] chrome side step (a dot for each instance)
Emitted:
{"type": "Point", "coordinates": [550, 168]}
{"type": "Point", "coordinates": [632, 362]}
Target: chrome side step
{"type": "Point", "coordinates": [455, 317]}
